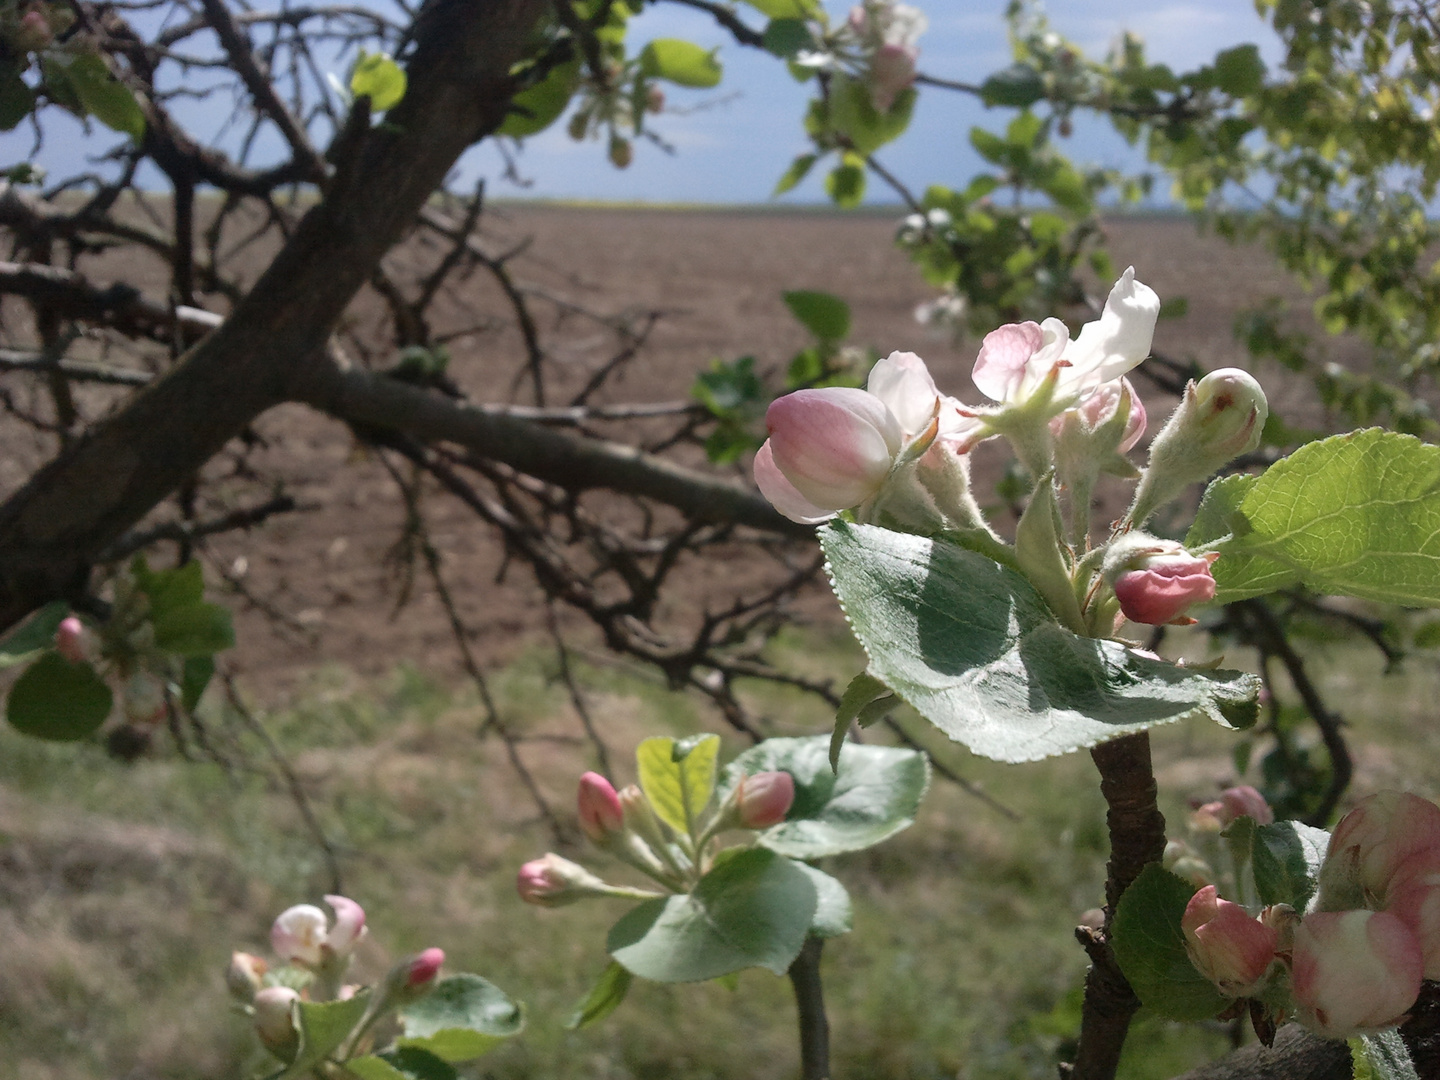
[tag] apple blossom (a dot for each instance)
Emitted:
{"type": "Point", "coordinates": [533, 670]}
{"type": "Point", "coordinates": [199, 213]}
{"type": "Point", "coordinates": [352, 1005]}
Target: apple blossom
{"type": "Point", "coordinates": [1372, 843]}
{"type": "Point", "coordinates": [601, 815]}
{"type": "Point", "coordinates": [892, 69]}
{"type": "Point", "coordinates": [1227, 944]}
{"type": "Point", "coordinates": [302, 934]}
{"type": "Point", "coordinates": [764, 799]}
{"type": "Point", "coordinates": [1414, 899]}
{"type": "Point", "coordinates": [1156, 581]}
{"type": "Point", "coordinates": [244, 977]}
{"type": "Point", "coordinates": [1234, 802]}
{"type": "Point", "coordinates": [1354, 971]}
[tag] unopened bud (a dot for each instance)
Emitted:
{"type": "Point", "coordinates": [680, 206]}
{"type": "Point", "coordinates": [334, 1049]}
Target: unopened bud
{"type": "Point", "coordinates": [1414, 899]}
{"type": "Point", "coordinates": [244, 977]}
{"type": "Point", "coordinates": [76, 642]}
{"type": "Point", "coordinates": [621, 152]}
{"type": "Point", "coordinates": [297, 934]}
{"type": "Point", "coordinates": [601, 815]}
{"type": "Point", "coordinates": [1227, 945]}
{"type": "Point", "coordinates": [1156, 581]}
{"type": "Point", "coordinates": [1218, 419]}
{"type": "Point", "coordinates": [1235, 802]}
{"type": "Point", "coordinates": [349, 928]}
{"type": "Point", "coordinates": [764, 799]}
{"type": "Point", "coordinates": [552, 881]}
{"type": "Point", "coordinates": [1184, 862]}
{"type": "Point", "coordinates": [1354, 972]}
{"type": "Point", "coordinates": [1371, 845]}
{"type": "Point", "coordinates": [579, 124]}
{"type": "Point", "coordinates": [654, 99]}
{"type": "Point", "coordinates": [413, 977]}
{"type": "Point", "coordinates": [275, 1020]}
{"type": "Point", "coordinates": [34, 32]}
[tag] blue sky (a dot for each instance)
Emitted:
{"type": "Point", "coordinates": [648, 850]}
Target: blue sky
{"type": "Point", "coordinates": [732, 143]}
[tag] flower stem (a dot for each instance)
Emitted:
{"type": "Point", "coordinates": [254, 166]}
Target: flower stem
{"type": "Point", "coordinates": [810, 1001]}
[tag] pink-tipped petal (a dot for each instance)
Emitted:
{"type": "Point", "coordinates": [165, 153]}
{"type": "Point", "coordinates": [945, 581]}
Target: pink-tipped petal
{"type": "Point", "coordinates": [1354, 972]}
{"type": "Point", "coordinates": [764, 799]}
{"type": "Point", "coordinates": [349, 925]}
{"type": "Point", "coordinates": [601, 815]}
{"type": "Point", "coordinates": [904, 385]}
{"type": "Point", "coordinates": [298, 933]}
{"type": "Point", "coordinates": [782, 494]}
{"type": "Point", "coordinates": [1004, 355]}
{"type": "Point", "coordinates": [424, 967]}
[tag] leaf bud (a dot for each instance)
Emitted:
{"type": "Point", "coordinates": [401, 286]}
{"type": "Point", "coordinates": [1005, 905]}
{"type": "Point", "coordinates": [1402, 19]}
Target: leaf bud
{"type": "Point", "coordinates": [1354, 972]}
{"type": "Point", "coordinates": [1227, 944]}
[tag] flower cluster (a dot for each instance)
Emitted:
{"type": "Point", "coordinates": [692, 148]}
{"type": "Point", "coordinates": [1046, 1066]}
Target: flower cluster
{"type": "Point", "coordinates": [314, 955]}
{"type": "Point", "coordinates": [896, 454]}
{"type": "Point", "coordinates": [624, 823]}
{"type": "Point", "coordinates": [887, 35]}
{"type": "Point", "coordinates": [1355, 961]}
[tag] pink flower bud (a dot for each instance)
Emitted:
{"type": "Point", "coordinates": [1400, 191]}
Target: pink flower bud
{"type": "Point", "coordinates": [424, 967]}
{"type": "Point", "coordinates": [1354, 971]}
{"type": "Point", "coordinates": [34, 32]}
{"type": "Point", "coordinates": [654, 99]}
{"type": "Point", "coordinates": [764, 799]}
{"type": "Point", "coordinates": [297, 934]}
{"type": "Point", "coordinates": [349, 927]}
{"type": "Point", "coordinates": [1227, 945]}
{"type": "Point", "coordinates": [552, 881]}
{"type": "Point", "coordinates": [1245, 801]}
{"type": "Point", "coordinates": [76, 642]}
{"type": "Point", "coordinates": [1156, 581]}
{"type": "Point", "coordinates": [601, 815]}
{"type": "Point", "coordinates": [244, 977]}
{"type": "Point", "coordinates": [1414, 899]}
{"type": "Point", "coordinates": [275, 1020]}
{"type": "Point", "coordinates": [1372, 843]}
{"type": "Point", "coordinates": [1101, 407]}
{"type": "Point", "coordinates": [834, 446]}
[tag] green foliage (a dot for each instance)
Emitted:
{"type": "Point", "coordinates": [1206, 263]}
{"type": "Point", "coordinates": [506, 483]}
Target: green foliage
{"type": "Point", "coordinates": [864, 128]}
{"type": "Point", "coordinates": [16, 98]}
{"type": "Point", "coordinates": [678, 777]}
{"type": "Point", "coordinates": [1353, 515]}
{"type": "Point", "coordinates": [875, 793]}
{"type": "Point", "coordinates": [404, 1063]}
{"type": "Point", "coordinates": [681, 62]}
{"type": "Point", "coordinates": [753, 910]}
{"type": "Point", "coordinates": [1382, 1056]}
{"type": "Point", "coordinates": [91, 85]}
{"type": "Point", "coordinates": [323, 1026]}
{"type": "Point", "coordinates": [845, 183]}
{"type": "Point", "coordinates": [1284, 857]}
{"type": "Point", "coordinates": [58, 700]}
{"type": "Point", "coordinates": [34, 635]}
{"type": "Point", "coordinates": [1150, 948]}
{"type": "Point", "coordinates": [463, 1017]}
{"type": "Point", "coordinates": [537, 107]}
{"type": "Point", "coordinates": [379, 78]}
{"type": "Point", "coordinates": [834, 914]}
{"type": "Point", "coordinates": [785, 9]}
{"type": "Point", "coordinates": [604, 997]}
{"type": "Point", "coordinates": [823, 314]}
{"type": "Point", "coordinates": [975, 650]}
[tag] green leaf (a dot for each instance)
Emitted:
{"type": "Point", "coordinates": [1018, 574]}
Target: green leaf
{"type": "Point", "coordinates": [16, 99]}
{"type": "Point", "coordinates": [463, 1017]}
{"type": "Point", "coordinates": [1352, 515]}
{"type": "Point", "coordinates": [604, 998]}
{"type": "Point", "coordinates": [677, 778]}
{"type": "Point", "coordinates": [55, 699]}
{"type": "Point", "coordinates": [786, 38]}
{"type": "Point", "coordinates": [105, 97]}
{"type": "Point", "coordinates": [854, 115]}
{"type": "Point", "coordinates": [379, 78]}
{"type": "Point", "coordinates": [1018, 85]}
{"type": "Point", "coordinates": [197, 630]}
{"type": "Point", "coordinates": [1285, 858]}
{"type": "Point", "coordinates": [975, 650]}
{"type": "Point", "coordinates": [168, 590]}
{"type": "Point", "coordinates": [845, 184]}
{"type": "Point", "coordinates": [785, 9]}
{"type": "Point", "coordinates": [1382, 1056]}
{"type": "Point", "coordinates": [681, 62]}
{"type": "Point", "coordinates": [403, 1063]}
{"type": "Point", "coordinates": [1150, 948]}
{"type": "Point", "coordinates": [833, 912]}
{"type": "Point", "coordinates": [875, 795]}
{"type": "Point", "coordinates": [537, 107]}
{"type": "Point", "coordinates": [34, 634]}
{"type": "Point", "coordinates": [198, 672]}
{"type": "Point", "coordinates": [324, 1025]}
{"type": "Point", "coordinates": [824, 315]}
{"type": "Point", "coordinates": [794, 174]}
{"type": "Point", "coordinates": [752, 910]}
{"type": "Point", "coordinates": [1239, 71]}
{"type": "Point", "coordinates": [864, 690]}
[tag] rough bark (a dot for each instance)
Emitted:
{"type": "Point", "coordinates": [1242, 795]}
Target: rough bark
{"type": "Point", "coordinates": [459, 90]}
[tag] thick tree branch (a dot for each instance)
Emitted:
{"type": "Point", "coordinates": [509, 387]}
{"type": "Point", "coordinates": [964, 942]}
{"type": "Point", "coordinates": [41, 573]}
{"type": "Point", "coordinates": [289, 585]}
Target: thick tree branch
{"type": "Point", "coordinates": [459, 90]}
